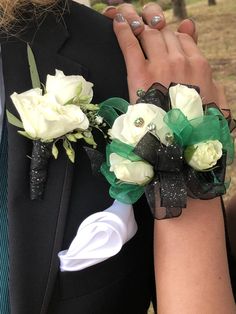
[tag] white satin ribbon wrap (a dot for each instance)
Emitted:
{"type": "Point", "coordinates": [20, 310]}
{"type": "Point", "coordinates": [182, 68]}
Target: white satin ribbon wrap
{"type": "Point", "coordinates": [100, 236]}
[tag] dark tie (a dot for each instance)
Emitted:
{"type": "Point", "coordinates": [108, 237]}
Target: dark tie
{"type": "Point", "coordinates": [4, 270]}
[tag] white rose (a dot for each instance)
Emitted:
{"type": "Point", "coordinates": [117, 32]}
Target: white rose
{"type": "Point", "coordinates": [44, 118]}
{"type": "Point", "coordinates": [66, 88]}
{"type": "Point", "coordinates": [203, 155]}
{"type": "Point", "coordinates": [187, 100]}
{"type": "Point", "coordinates": [130, 127]}
{"type": "Point", "coordinates": [134, 172]}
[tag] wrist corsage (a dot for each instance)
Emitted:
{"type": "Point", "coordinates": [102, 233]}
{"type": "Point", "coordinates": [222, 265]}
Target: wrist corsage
{"type": "Point", "coordinates": [168, 146]}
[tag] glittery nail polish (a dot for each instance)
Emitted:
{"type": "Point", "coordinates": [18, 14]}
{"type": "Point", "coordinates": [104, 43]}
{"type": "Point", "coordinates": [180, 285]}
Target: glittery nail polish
{"type": "Point", "coordinates": [135, 24]}
{"type": "Point", "coordinates": [119, 18]}
{"type": "Point", "coordinates": [155, 20]}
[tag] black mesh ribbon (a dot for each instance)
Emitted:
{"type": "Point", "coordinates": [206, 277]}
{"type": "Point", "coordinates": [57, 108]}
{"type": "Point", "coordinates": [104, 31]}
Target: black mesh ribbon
{"type": "Point", "coordinates": [157, 95]}
{"type": "Point", "coordinates": [38, 168]}
{"type": "Point", "coordinates": [96, 159]}
{"type": "Point", "coordinates": [174, 179]}
{"type": "Point", "coordinates": [208, 184]}
{"type": "Point", "coordinates": [167, 193]}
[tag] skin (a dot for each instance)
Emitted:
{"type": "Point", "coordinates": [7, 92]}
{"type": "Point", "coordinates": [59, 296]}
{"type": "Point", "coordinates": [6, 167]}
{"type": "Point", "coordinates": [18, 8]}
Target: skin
{"type": "Point", "coordinates": [148, 12]}
{"type": "Point", "coordinates": [155, 54]}
{"type": "Point", "coordinates": [231, 222]}
{"type": "Point", "coordinates": [191, 267]}
{"type": "Point", "coordinates": [151, 10]}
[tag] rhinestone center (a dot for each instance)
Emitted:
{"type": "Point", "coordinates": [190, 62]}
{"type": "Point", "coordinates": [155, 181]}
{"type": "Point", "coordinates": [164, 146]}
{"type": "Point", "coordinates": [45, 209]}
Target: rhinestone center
{"type": "Point", "coordinates": [139, 122]}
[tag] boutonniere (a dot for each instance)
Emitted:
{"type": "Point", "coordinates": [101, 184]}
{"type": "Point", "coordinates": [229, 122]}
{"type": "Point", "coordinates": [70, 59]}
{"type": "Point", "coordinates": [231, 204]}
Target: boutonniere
{"type": "Point", "coordinates": [59, 111]}
{"type": "Point", "coordinates": [168, 145]}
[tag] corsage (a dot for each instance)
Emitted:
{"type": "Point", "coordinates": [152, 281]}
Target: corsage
{"type": "Point", "coordinates": [60, 111]}
{"type": "Point", "coordinates": [168, 146]}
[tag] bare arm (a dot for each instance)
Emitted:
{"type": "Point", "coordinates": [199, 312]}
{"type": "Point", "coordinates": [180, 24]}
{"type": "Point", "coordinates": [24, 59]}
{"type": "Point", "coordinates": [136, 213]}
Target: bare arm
{"type": "Point", "coordinates": [190, 262]}
{"type": "Point", "coordinates": [190, 255]}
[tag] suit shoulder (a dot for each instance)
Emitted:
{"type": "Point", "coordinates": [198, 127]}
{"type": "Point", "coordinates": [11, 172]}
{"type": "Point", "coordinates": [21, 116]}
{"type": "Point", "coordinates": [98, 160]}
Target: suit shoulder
{"type": "Point", "coordinates": [86, 22]}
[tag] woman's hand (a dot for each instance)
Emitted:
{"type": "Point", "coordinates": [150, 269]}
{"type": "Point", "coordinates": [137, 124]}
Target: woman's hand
{"type": "Point", "coordinates": [163, 56]}
{"type": "Point", "coordinates": [151, 15]}
{"type": "Point", "coordinates": [189, 251]}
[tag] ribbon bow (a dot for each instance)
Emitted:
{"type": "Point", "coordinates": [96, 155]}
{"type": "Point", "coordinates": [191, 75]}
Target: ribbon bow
{"type": "Point", "coordinates": [167, 193]}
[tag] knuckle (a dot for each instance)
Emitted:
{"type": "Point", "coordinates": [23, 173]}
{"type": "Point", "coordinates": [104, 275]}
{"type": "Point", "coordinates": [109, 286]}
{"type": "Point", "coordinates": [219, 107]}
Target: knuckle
{"type": "Point", "coordinates": [148, 34]}
{"type": "Point", "coordinates": [201, 63]}
{"type": "Point", "coordinates": [178, 60]}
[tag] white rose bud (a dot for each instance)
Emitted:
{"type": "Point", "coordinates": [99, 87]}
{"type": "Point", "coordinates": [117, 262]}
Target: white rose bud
{"type": "Point", "coordinates": [134, 172]}
{"type": "Point", "coordinates": [44, 118]}
{"type": "Point", "coordinates": [203, 156]}
{"type": "Point", "coordinates": [66, 88]}
{"type": "Point", "coordinates": [187, 100]}
{"type": "Point", "coordinates": [130, 127]}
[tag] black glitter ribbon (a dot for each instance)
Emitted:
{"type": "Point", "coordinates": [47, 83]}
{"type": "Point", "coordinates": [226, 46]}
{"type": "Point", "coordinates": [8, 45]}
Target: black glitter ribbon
{"type": "Point", "coordinates": [38, 168]}
{"type": "Point", "coordinates": [157, 95]}
{"type": "Point", "coordinates": [175, 179]}
{"type": "Point", "coordinates": [167, 193]}
{"type": "Point", "coordinates": [208, 184]}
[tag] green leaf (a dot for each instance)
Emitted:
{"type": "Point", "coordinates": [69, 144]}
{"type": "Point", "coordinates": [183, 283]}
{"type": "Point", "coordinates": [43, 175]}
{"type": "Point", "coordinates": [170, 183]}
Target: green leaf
{"type": "Point", "coordinates": [91, 107]}
{"type": "Point", "coordinates": [90, 141]}
{"type": "Point", "coordinates": [71, 137]}
{"type": "Point", "coordinates": [26, 135]}
{"type": "Point", "coordinates": [69, 150]}
{"type": "Point", "coordinates": [84, 99]}
{"type": "Point", "coordinates": [54, 151]}
{"type": "Point", "coordinates": [33, 68]}
{"type": "Point", "coordinates": [78, 135]}
{"type": "Point", "coordinates": [14, 120]}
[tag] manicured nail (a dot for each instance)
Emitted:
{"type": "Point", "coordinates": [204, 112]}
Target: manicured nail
{"type": "Point", "coordinates": [135, 24]}
{"type": "Point", "coordinates": [119, 18]}
{"type": "Point", "coordinates": [155, 20]}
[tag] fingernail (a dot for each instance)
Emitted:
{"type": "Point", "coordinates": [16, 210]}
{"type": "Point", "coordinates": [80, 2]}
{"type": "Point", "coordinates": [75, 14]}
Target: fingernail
{"type": "Point", "coordinates": [135, 24]}
{"type": "Point", "coordinates": [109, 8]}
{"type": "Point", "coordinates": [119, 18]}
{"type": "Point", "coordinates": [194, 24]}
{"type": "Point", "coordinates": [155, 20]}
{"type": "Point", "coordinates": [147, 5]}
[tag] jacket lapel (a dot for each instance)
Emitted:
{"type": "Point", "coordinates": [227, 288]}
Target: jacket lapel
{"type": "Point", "coordinates": [35, 227]}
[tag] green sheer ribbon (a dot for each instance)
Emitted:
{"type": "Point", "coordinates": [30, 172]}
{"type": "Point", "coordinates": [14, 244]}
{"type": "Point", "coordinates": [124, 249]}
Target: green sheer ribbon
{"type": "Point", "coordinates": [123, 192]}
{"type": "Point", "coordinates": [211, 126]}
{"type": "Point", "coordinates": [108, 109]}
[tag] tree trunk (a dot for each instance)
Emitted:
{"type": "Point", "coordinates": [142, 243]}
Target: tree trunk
{"type": "Point", "coordinates": [179, 9]}
{"type": "Point", "coordinates": [211, 2]}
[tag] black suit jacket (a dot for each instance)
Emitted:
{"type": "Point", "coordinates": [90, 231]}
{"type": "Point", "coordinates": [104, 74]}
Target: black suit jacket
{"type": "Point", "coordinates": [81, 43]}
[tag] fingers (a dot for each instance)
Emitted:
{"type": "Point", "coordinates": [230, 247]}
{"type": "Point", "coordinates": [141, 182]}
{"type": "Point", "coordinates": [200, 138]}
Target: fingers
{"type": "Point", "coordinates": [132, 17]}
{"type": "Point", "coordinates": [189, 47]}
{"type": "Point", "coordinates": [153, 44]}
{"type": "Point", "coordinates": [188, 26]}
{"type": "Point", "coordinates": [153, 15]}
{"type": "Point", "coordinates": [130, 47]}
{"type": "Point", "coordinates": [172, 42]}
{"type": "Point", "coordinates": [110, 12]}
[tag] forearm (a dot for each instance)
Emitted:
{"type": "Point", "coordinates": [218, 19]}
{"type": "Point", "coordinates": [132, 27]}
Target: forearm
{"type": "Point", "coordinates": [191, 262]}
